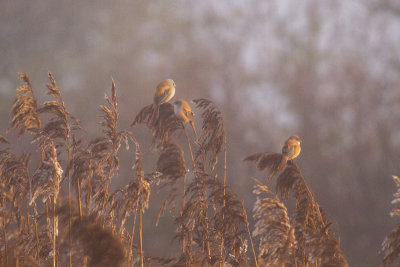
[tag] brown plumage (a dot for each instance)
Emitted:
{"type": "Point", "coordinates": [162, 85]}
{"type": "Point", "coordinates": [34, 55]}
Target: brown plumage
{"type": "Point", "coordinates": [164, 92]}
{"type": "Point", "coordinates": [184, 112]}
{"type": "Point", "coordinates": [291, 149]}
{"type": "Point", "coordinates": [276, 162]}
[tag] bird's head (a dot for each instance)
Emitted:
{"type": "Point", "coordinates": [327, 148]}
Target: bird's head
{"type": "Point", "coordinates": [172, 82]}
{"type": "Point", "coordinates": [295, 138]}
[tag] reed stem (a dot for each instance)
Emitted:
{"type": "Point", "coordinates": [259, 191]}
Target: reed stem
{"type": "Point", "coordinates": [36, 231]}
{"type": "Point", "coordinates": [5, 238]}
{"type": "Point", "coordinates": [54, 231]}
{"type": "Point", "coordinates": [248, 232]}
{"type": "Point", "coordinates": [69, 207]}
{"type": "Point", "coordinates": [141, 237]}
{"type": "Point", "coordinates": [79, 198]}
{"type": "Point", "coordinates": [223, 204]}
{"type": "Point", "coordinates": [132, 236]}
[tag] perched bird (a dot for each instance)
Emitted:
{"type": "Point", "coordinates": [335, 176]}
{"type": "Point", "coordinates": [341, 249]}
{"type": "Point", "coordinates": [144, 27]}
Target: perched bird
{"type": "Point", "coordinates": [291, 149]}
{"type": "Point", "coordinates": [164, 92]}
{"type": "Point", "coordinates": [184, 112]}
{"type": "Point", "coordinates": [276, 162]}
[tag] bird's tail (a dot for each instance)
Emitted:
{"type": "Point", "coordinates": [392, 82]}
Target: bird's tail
{"type": "Point", "coordinates": [156, 108]}
{"type": "Point", "coordinates": [194, 130]}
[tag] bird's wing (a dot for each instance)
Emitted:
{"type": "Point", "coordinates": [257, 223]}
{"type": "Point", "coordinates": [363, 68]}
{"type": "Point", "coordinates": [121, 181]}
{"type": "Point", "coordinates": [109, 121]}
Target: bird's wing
{"type": "Point", "coordinates": [189, 114]}
{"type": "Point", "coordinates": [288, 150]}
{"type": "Point", "coordinates": [163, 96]}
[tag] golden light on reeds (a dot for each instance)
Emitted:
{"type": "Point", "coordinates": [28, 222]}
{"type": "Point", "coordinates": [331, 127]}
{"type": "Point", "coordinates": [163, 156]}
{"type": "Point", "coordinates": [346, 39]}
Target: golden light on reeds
{"type": "Point", "coordinates": [84, 222]}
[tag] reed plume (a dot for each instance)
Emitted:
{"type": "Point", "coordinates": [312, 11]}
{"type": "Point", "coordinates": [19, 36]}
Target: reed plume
{"type": "Point", "coordinates": [134, 195]}
{"type": "Point", "coordinates": [391, 244]}
{"type": "Point", "coordinates": [81, 169]}
{"type": "Point", "coordinates": [24, 114]}
{"type": "Point", "coordinates": [90, 238]}
{"type": "Point", "coordinates": [15, 228]}
{"type": "Point", "coordinates": [104, 151]}
{"type": "Point", "coordinates": [228, 222]}
{"type": "Point", "coordinates": [277, 240]}
{"type": "Point", "coordinates": [172, 167]}
{"type": "Point", "coordinates": [164, 126]}
{"type": "Point", "coordinates": [46, 183]}
{"type": "Point", "coordinates": [212, 222]}
{"type": "Point", "coordinates": [273, 162]}
{"type": "Point", "coordinates": [58, 127]}
{"type": "Point", "coordinates": [314, 241]}
{"type": "Point", "coordinates": [194, 225]}
{"type": "Point", "coordinates": [211, 225]}
{"type": "Point", "coordinates": [213, 137]}
{"type": "Point", "coordinates": [46, 179]}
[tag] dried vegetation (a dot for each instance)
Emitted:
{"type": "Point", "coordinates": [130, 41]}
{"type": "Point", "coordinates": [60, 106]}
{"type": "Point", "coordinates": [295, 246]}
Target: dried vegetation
{"type": "Point", "coordinates": [391, 244]}
{"type": "Point", "coordinates": [58, 208]}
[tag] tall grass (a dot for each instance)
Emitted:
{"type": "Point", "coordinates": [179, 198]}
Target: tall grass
{"type": "Point", "coordinates": [303, 238]}
{"type": "Point", "coordinates": [391, 244]}
{"type": "Point", "coordinates": [58, 207]}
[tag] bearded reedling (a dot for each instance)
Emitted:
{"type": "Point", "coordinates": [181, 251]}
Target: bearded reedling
{"type": "Point", "coordinates": [164, 92]}
{"type": "Point", "coordinates": [291, 149]}
{"type": "Point", "coordinates": [184, 113]}
{"type": "Point", "coordinates": [276, 162]}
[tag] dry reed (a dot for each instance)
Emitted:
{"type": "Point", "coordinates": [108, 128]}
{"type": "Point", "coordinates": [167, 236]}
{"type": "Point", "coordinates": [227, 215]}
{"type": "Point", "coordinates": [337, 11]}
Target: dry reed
{"type": "Point", "coordinates": [211, 225]}
{"type": "Point", "coordinates": [277, 240]}
{"type": "Point", "coordinates": [307, 240]}
{"type": "Point", "coordinates": [391, 244]}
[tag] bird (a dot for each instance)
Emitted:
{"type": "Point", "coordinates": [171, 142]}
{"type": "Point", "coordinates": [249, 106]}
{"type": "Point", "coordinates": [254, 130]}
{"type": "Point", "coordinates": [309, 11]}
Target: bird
{"type": "Point", "coordinates": [291, 149]}
{"type": "Point", "coordinates": [276, 162]}
{"type": "Point", "coordinates": [183, 111]}
{"type": "Point", "coordinates": [164, 92]}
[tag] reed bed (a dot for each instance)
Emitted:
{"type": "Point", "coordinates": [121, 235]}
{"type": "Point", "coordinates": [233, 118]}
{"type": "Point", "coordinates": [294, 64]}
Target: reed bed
{"type": "Point", "coordinates": [58, 207]}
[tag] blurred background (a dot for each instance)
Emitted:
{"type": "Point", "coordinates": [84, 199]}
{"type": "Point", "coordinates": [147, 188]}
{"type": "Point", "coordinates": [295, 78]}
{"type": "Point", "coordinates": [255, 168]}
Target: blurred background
{"type": "Point", "coordinates": [328, 71]}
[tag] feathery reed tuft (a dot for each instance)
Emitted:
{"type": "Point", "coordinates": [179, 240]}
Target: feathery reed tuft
{"type": "Point", "coordinates": [165, 125]}
{"type": "Point", "coordinates": [277, 241]}
{"type": "Point", "coordinates": [81, 169]}
{"type": "Point", "coordinates": [286, 182]}
{"type": "Point", "coordinates": [59, 125]}
{"type": "Point", "coordinates": [46, 179]}
{"type": "Point", "coordinates": [14, 188]}
{"type": "Point", "coordinates": [213, 222]}
{"type": "Point", "coordinates": [212, 138]}
{"type": "Point", "coordinates": [323, 249]}
{"type": "Point", "coordinates": [104, 151]}
{"type": "Point", "coordinates": [91, 239]}
{"type": "Point", "coordinates": [135, 194]}
{"type": "Point", "coordinates": [14, 177]}
{"type": "Point", "coordinates": [211, 225]}
{"type": "Point", "coordinates": [228, 221]}
{"type": "Point", "coordinates": [391, 244]}
{"type": "Point", "coordinates": [313, 241]}
{"type": "Point", "coordinates": [171, 163]}
{"type": "Point", "coordinates": [272, 161]}
{"type": "Point", "coordinates": [172, 167]}
{"type": "Point", "coordinates": [24, 114]}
